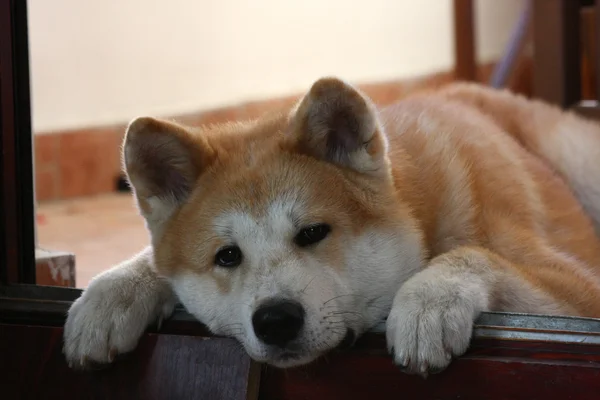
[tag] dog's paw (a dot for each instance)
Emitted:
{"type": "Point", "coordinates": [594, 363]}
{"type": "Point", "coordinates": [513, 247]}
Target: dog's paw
{"type": "Point", "coordinates": [109, 318]}
{"type": "Point", "coordinates": [425, 329]}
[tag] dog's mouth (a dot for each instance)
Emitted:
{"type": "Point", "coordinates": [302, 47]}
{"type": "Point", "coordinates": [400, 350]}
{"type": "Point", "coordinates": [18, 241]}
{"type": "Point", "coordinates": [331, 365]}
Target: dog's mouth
{"type": "Point", "coordinates": [289, 358]}
{"type": "Point", "coordinates": [348, 340]}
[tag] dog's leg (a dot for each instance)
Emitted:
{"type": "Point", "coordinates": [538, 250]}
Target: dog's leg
{"type": "Point", "coordinates": [113, 312]}
{"type": "Point", "coordinates": [432, 316]}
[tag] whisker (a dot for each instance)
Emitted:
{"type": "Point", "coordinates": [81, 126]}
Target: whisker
{"type": "Point", "coordinates": [344, 316]}
{"type": "Point", "coordinates": [345, 295]}
{"type": "Point", "coordinates": [308, 284]}
{"type": "Point", "coordinates": [345, 313]}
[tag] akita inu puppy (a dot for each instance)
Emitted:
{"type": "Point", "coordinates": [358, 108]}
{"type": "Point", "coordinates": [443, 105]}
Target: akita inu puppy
{"type": "Point", "coordinates": [299, 231]}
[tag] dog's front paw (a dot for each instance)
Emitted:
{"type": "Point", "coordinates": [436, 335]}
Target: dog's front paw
{"type": "Point", "coordinates": [110, 317]}
{"type": "Point", "coordinates": [425, 329]}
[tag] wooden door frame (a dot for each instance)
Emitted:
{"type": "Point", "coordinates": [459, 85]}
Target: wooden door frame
{"type": "Point", "coordinates": [17, 217]}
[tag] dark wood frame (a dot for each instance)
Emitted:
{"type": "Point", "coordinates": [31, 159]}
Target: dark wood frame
{"type": "Point", "coordinates": [17, 229]}
{"type": "Point", "coordinates": [557, 63]}
{"type": "Point", "coordinates": [557, 59]}
{"type": "Point", "coordinates": [512, 355]}
{"type": "Point", "coordinates": [465, 65]}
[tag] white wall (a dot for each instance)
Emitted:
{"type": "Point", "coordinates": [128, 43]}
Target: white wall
{"type": "Point", "coordinates": [105, 61]}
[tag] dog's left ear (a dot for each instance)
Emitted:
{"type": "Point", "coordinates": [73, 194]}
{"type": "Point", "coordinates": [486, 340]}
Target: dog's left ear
{"type": "Point", "coordinates": [336, 123]}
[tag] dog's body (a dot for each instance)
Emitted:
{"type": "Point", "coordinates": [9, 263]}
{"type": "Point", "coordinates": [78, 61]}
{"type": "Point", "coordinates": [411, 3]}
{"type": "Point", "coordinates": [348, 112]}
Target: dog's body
{"type": "Point", "coordinates": [297, 232]}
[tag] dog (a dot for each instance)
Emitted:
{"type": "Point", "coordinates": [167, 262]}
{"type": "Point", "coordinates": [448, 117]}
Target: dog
{"type": "Point", "coordinates": [299, 231]}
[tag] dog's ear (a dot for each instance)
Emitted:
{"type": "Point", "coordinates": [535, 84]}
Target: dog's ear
{"type": "Point", "coordinates": [336, 123]}
{"type": "Point", "coordinates": [162, 161]}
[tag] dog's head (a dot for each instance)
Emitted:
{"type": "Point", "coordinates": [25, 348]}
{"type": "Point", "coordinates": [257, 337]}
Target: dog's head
{"type": "Point", "coordinates": [286, 232]}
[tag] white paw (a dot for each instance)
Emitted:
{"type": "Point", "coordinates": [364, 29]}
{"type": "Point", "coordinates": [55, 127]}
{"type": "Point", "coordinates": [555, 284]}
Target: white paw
{"type": "Point", "coordinates": [428, 325]}
{"type": "Point", "coordinates": [110, 317]}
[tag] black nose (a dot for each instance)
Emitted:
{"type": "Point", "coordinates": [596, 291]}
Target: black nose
{"type": "Point", "coordinates": [278, 322]}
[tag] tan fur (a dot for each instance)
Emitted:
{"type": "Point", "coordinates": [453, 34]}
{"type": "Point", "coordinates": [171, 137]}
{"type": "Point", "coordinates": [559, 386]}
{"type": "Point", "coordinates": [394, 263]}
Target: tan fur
{"type": "Point", "coordinates": [523, 210]}
{"type": "Point", "coordinates": [457, 168]}
{"type": "Point", "coordinates": [475, 193]}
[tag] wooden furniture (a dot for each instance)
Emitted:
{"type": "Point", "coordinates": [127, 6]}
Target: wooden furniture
{"type": "Point", "coordinates": [512, 70]}
{"type": "Point", "coordinates": [512, 357]}
{"type": "Point", "coordinates": [558, 53]}
{"type": "Point", "coordinates": [566, 51]}
{"type": "Point", "coordinates": [464, 40]}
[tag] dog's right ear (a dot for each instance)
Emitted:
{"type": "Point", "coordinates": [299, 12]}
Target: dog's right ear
{"type": "Point", "coordinates": [162, 161]}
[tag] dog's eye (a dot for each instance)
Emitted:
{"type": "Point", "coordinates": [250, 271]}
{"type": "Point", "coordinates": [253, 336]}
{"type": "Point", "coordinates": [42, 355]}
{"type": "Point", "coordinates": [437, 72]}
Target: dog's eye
{"type": "Point", "coordinates": [312, 234]}
{"type": "Point", "coordinates": [230, 256]}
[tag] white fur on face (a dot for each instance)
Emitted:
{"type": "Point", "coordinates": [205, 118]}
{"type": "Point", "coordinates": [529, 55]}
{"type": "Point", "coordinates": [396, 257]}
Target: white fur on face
{"type": "Point", "coordinates": [354, 296]}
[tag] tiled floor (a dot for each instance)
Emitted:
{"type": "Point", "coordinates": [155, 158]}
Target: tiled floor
{"type": "Point", "coordinates": [101, 231]}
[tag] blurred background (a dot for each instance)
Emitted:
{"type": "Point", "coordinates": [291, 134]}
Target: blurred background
{"type": "Point", "coordinates": [95, 65]}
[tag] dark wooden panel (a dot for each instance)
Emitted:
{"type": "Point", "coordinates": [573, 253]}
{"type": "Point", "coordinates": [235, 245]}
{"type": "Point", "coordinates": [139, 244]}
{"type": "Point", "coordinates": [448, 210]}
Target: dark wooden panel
{"type": "Point", "coordinates": [30, 293]}
{"type": "Point", "coordinates": [589, 109]}
{"type": "Point", "coordinates": [8, 239]}
{"type": "Point", "coordinates": [595, 28]}
{"type": "Point", "coordinates": [492, 369]}
{"type": "Point", "coordinates": [513, 356]}
{"type": "Point", "coordinates": [17, 259]}
{"type": "Point", "coordinates": [557, 61]}
{"type": "Point", "coordinates": [464, 40]}
{"type": "Point", "coordinates": [162, 367]}
{"type": "Point", "coordinates": [588, 53]}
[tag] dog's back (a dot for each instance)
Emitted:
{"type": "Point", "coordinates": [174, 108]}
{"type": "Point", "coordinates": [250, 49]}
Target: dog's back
{"type": "Point", "coordinates": [567, 142]}
{"type": "Point", "coordinates": [492, 169]}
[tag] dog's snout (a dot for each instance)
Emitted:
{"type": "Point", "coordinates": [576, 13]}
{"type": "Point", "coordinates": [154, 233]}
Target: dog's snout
{"type": "Point", "coordinates": [277, 323]}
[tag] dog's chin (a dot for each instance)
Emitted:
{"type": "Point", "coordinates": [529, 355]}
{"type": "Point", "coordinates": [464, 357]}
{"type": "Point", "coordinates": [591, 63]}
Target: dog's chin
{"type": "Point", "coordinates": [290, 359]}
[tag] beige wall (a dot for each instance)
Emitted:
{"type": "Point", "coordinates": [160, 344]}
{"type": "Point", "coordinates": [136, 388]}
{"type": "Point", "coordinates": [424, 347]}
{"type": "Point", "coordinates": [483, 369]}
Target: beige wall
{"type": "Point", "coordinates": [106, 61]}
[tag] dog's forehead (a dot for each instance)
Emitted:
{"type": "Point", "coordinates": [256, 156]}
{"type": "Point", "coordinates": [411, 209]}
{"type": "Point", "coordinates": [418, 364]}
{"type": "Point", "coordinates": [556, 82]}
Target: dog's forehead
{"type": "Point", "coordinates": [274, 218]}
{"type": "Point", "coordinates": [275, 186]}
{"type": "Point", "coordinates": [276, 195]}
